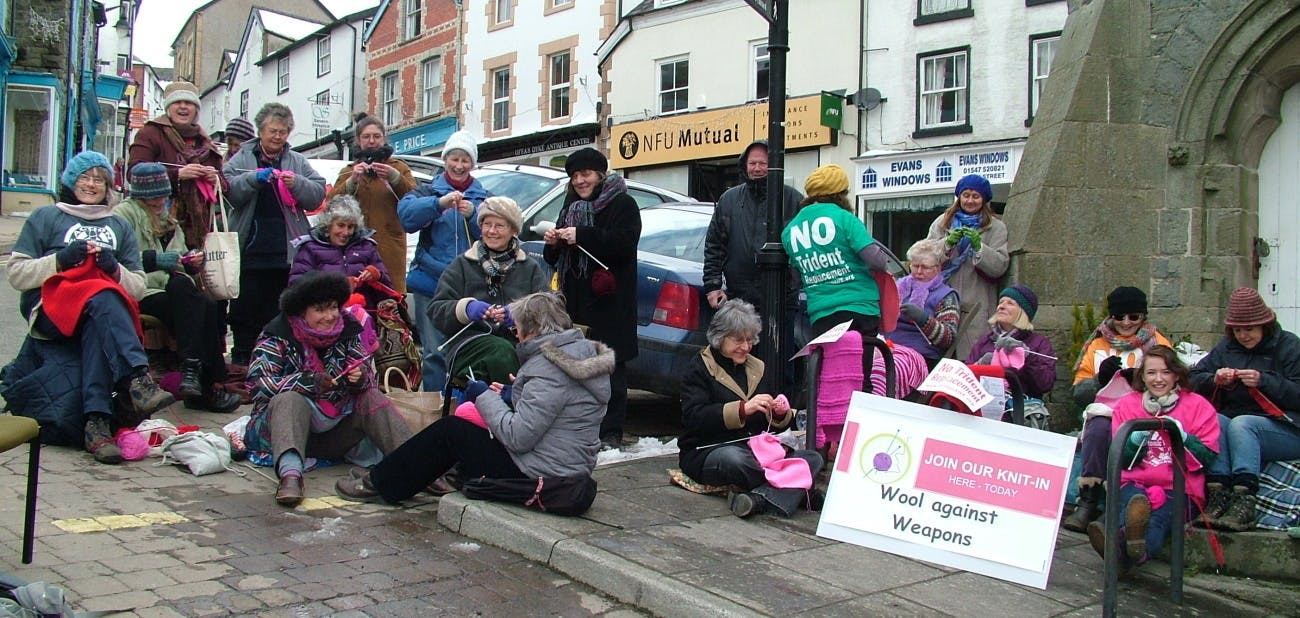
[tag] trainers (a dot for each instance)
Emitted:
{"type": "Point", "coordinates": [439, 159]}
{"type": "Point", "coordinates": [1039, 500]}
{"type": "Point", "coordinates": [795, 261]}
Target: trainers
{"type": "Point", "coordinates": [99, 440]}
{"type": "Point", "coordinates": [1137, 516]}
{"type": "Point", "coordinates": [1240, 514]}
{"type": "Point", "coordinates": [146, 397]}
{"type": "Point", "coordinates": [191, 376]}
{"type": "Point", "coordinates": [357, 488]}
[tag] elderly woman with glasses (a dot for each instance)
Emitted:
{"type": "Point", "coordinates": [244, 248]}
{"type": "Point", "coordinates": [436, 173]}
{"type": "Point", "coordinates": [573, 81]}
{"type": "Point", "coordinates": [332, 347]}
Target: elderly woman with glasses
{"type": "Point", "coordinates": [1117, 344]}
{"type": "Point", "coordinates": [930, 309]}
{"type": "Point", "coordinates": [476, 289]}
{"type": "Point", "coordinates": [271, 189]}
{"type": "Point", "coordinates": [726, 399]}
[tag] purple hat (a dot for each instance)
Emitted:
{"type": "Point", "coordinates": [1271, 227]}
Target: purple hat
{"type": "Point", "coordinates": [976, 182]}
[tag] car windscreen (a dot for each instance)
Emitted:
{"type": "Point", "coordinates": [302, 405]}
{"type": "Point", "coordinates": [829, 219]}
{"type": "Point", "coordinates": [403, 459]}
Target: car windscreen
{"type": "Point", "coordinates": [674, 233]}
{"type": "Point", "coordinates": [524, 189]}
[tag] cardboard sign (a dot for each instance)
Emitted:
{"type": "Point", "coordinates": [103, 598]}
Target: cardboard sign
{"type": "Point", "coordinates": [829, 336]}
{"type": "Point", "coordinates": [956, 379]}
{"type": "Point", "coordinates": [948, 488]}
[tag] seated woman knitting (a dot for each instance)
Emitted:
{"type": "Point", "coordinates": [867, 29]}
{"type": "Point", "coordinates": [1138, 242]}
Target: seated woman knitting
{"type": "Point", "coordinates": [340, 242]}
{"type": "Point", "coordinates": [313, 386]}
{"type": "Point", "coordinates": [726, 403]}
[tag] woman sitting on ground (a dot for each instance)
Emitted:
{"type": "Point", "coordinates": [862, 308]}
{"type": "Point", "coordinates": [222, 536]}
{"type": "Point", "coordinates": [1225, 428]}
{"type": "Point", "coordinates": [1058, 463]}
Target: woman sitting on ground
{"type": "Point", "coordinates": [1012, 329]}
{"type": "Point", "coordinates": [477, 287]}
{"type": "Point", "coordinates": [930, 311]}
{"type": "Point", "coordinates": [546, 425]}
{"type": "Point", "coordinates": [340, 242]}
{"type": "Point", "coordinates": [1117, 344]}
{"type": "Point", "coordinates": [726, 398]}
{"type": "Point", "coordinates": [1146, 510]}
{"type": "Point", "coordinates": [313, 387]}
{"type": "Point", "coordinates": [1253, 378]}
{"type": "Point", "coordinates": [172, 296]}
{"type": "Point", "coordinates": [88, 323]}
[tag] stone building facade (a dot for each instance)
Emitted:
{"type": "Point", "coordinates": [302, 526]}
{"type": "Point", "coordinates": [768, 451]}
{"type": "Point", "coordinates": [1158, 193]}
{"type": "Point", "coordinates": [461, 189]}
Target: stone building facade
{"type": "Point", "coordinates": [1143, 166]}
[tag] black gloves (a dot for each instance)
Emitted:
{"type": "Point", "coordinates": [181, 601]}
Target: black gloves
{"type": "Point", "coordinates": [106, 260]}
{"type": "Point", "coordinates": [72, 255]}
{"type": "Point", "coordinates": [1106, 370]}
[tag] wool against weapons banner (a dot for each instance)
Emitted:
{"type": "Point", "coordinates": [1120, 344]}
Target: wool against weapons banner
{"type": "Point", "coordinates": [953, 489]}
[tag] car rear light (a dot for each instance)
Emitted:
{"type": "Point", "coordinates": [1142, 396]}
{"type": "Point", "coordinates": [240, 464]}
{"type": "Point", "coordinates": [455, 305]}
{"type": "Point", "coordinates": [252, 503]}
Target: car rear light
{"type": "Point", "coordinates": [678, 306]}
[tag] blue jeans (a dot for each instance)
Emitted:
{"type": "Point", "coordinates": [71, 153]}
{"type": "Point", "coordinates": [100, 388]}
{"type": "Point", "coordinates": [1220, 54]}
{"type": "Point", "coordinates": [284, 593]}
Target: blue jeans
{"type": "Point", "coordinates": [1161, 519]}
{"type": "Point", "coordinates": [433, 365]}
{"type": "Point", "coordinates": [1247, 442]}
{"type": "Point", "coordinates": [110, 349]}
{"type": "Point", "coordinates": [735, 464]}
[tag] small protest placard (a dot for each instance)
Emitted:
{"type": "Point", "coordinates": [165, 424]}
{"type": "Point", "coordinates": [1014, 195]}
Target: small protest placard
{"type": "Point", "coordinates": [829, 336]}
{"type": "Point", "coordinates": [956, 379]}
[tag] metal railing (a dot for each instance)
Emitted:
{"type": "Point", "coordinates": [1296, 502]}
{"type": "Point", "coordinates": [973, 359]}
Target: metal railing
{"type": "Point", "coordinates": [1114, 542]}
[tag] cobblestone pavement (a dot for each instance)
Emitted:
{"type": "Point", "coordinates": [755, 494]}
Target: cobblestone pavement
{"type": "Point", "coordinates": [161, 542]}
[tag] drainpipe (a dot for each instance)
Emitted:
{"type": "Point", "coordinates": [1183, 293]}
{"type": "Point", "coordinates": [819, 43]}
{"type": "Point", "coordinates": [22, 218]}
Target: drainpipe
{"type": "Point", "coordinates": [72, 82]}
{"type": "Point", "coordinates": [862, 77]}
{"type": "Point", "coordinates": [460, 60]}
{"type": "Point", "coordinates": [344, 151]}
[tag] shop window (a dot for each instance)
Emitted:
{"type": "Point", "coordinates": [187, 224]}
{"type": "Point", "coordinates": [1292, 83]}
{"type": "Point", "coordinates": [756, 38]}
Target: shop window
{"type": "Point", "coordinates": [29, 153]}
{"type": "Point", "coordinates": [674, 85]}
{"type": "Point", "coordinates": [501, 99]}
{"type": "Point", "coordinates": [108, 140]}
{"type": "Point", "coordinates": [943, 85]}
{"type": "Point", "coordinates": [431, 73]}
{"type": "Point", "coordinates": [560, 81]}
{"type": "Point", "coordinates": [1042, 52]}
{"type": "Point", "coordinates": [931, 11]}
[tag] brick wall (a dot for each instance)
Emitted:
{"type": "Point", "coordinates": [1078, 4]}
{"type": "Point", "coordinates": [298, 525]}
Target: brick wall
{"type": "Point", "coordinates": [386, 52]}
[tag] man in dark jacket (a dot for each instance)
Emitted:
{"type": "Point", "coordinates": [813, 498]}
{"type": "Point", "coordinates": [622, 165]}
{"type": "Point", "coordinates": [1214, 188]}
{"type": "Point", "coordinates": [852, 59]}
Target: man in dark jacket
{"type": "Point", "coordinates": [736, 233]}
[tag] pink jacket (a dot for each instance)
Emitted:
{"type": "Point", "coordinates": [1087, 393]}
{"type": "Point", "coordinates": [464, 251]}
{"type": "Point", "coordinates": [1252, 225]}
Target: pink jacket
{"type": "Point", "coordinates": [1155, 469]}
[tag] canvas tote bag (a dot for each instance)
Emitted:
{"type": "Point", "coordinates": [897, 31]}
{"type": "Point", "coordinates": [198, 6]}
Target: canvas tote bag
{"type": "Point", "coordinates": [221, 256]}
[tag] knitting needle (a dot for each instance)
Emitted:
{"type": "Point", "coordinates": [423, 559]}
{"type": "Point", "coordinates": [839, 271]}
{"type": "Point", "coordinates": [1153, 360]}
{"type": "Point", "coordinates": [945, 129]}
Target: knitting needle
{"type": "Point", "coordinates": [597, 260]}
{"type": "Point", "coordinates": [542, 227]}
{"type": "Point", "coordinates": [453, 337]}
{"type": "Point", "coordinates": [359, 362]}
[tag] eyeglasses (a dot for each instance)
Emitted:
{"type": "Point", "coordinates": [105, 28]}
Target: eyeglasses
{"type": "Point", "coordinates": [92, 180]}
{"type": "Point", "coordinates": [1129, 317]}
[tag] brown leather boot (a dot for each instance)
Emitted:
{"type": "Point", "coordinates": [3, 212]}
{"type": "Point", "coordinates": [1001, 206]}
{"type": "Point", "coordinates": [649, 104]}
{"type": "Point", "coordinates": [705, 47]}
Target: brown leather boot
{"type": "Point", "coordinates": [1086, 508]}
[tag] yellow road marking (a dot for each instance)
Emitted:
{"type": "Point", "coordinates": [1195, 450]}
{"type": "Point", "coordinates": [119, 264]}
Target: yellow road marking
{"type": "Point", "coordinates": [324, 502]}
{"type": "Point", "coordinates": [104, 523]}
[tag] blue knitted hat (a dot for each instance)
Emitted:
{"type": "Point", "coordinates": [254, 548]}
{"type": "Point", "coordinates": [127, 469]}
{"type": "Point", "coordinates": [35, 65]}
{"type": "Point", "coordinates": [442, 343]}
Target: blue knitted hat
{"type": "Point", "coordinates": [149, 180]}
{"type": "Point", "coordinates": [974, 181]}
{"type": "Point", "coordinates": [78, 165]}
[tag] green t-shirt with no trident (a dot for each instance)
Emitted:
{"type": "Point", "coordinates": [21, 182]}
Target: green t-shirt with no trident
{"type": "Point", "coordinates": [823, 242]}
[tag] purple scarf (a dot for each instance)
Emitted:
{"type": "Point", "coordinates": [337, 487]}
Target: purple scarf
{"type": "Point", "coordinates": [913, 292]}
{"type": "Point", "coordinates": [314, 340]}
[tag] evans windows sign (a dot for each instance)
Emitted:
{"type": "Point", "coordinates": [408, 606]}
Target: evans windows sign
{"type": "Point", "coordinates": [934, 171]}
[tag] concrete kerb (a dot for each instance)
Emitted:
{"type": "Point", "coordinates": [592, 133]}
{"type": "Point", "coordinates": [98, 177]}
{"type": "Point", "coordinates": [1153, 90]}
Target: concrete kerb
{"type": "Point", "coordinates": [627, 581]}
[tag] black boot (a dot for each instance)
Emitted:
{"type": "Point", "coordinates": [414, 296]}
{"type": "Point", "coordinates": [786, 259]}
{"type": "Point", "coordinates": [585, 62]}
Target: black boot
{"type": "Point", "coordinates": [1085, 508]}
{"type": "Point", "coordinates": [191, 378]}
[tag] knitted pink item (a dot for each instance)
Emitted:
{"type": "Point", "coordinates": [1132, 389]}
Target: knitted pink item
{"type": "Point", "coordinates": [780, 405]}
{"type": "Point", "coordinates": [286, 196]}
{"type": "Point", "coordinates": [1015, 359]}
{"type": "Point", "coordinates": [469, 412]}
{"type": "Point", "coordinates": [781, 472]}
{"type": "Point", "coordinates": [841, 374]}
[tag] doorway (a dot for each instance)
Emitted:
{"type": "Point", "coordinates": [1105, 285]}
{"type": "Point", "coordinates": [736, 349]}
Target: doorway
{"type": "Point", "coordinates": [1279, 166]}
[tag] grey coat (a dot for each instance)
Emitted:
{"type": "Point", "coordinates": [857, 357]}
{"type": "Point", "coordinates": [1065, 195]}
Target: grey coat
{"type": "Point", "coordinates": [560, 397]}
{"type": "Point", "coordinates": [465, 280]}
{"type": "Point", "coordinates": [309, 190]}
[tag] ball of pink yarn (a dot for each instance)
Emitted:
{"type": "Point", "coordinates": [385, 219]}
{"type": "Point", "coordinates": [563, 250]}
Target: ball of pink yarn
{"type": "Point", "coordinates": [134, 446]}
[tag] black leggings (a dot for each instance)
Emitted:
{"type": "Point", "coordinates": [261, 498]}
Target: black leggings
{"type": "Point", "coordinates": [431, 453]}
{"type": "Point", "coordinates": [198, 324]}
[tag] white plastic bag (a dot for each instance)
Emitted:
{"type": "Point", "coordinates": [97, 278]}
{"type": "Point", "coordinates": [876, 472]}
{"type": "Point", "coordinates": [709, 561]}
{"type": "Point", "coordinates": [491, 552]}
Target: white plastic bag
{"type": "Point", "coordinates": [200, 451]}
{"type": "Point", "coordinates": [155, 431]}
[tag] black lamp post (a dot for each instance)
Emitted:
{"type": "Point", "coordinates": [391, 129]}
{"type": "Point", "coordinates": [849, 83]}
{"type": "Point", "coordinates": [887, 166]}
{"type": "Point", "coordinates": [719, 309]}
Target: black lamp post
{"type": "Point", "coordinates": [771, 257]}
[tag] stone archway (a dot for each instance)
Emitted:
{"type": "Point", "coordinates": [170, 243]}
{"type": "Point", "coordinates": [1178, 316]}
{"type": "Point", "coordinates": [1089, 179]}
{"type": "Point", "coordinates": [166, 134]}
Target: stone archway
{"type": "Point", "coordinates": [1232, 108]}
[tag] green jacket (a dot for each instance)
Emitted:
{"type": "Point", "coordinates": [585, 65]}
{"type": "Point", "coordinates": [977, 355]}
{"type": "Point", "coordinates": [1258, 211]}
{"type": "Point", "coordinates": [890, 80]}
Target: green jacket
{"type": "Point", "coordinates": [135, 214]}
